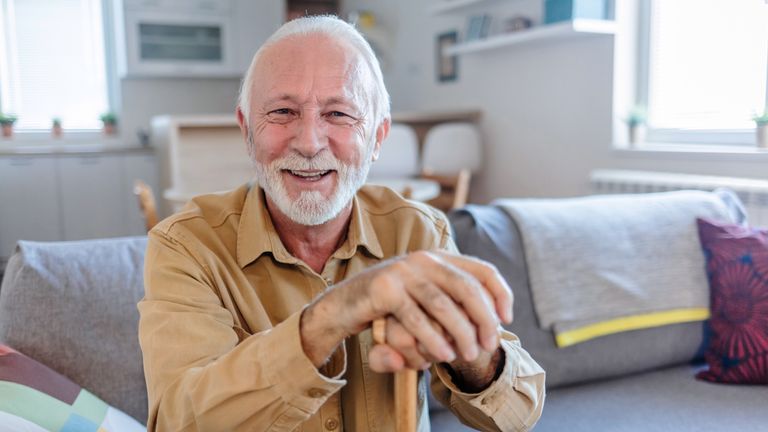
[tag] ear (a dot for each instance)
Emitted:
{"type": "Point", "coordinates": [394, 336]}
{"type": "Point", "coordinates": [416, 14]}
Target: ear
{"type": "Point", "coordinates": [381, 134]}
{"type": "Point", "coordinates": [242, 122]}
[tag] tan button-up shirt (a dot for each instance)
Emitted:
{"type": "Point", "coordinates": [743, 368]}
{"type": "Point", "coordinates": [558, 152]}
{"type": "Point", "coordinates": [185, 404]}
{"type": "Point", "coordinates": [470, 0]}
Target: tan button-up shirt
{"type": "Point", "coordinates": [219, 326]}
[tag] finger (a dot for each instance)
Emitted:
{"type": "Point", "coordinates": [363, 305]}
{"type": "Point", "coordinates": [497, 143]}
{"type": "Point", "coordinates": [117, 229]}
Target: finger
{"type": "Point", "coordinates": [467, 291]}
{"type": "Point", "coordinates": [419, 326]}
{"type": "Point", "coordinates": [448, 315]}
{"type": "Point", "coordinates": [383, 359]}
{"type": "Point", "coordinates": [490, 278]}
{"type": "Point", "coordinates": [392, 298]}
{"type": "Point", "coordinates": [404, 343]}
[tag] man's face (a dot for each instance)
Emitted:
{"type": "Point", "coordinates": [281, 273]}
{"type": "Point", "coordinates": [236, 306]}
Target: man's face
{"type": "Point", "coordinates": [311, 127]}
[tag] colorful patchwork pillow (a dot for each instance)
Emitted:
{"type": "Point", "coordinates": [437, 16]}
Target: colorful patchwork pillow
{"type": "Point", "coordinates": [35, 398]}
{"type": "Point", "coordinates": [737, 267]}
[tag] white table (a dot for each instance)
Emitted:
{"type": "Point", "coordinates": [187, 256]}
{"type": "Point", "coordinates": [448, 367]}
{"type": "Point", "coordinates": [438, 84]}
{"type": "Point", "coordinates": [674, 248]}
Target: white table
{"type": "Point", "coordinates": [421, 189]}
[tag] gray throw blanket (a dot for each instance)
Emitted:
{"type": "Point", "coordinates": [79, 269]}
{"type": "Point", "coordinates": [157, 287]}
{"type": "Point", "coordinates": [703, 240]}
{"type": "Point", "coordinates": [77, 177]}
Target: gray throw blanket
{"type": "Point", "coordinates": [623, 261]}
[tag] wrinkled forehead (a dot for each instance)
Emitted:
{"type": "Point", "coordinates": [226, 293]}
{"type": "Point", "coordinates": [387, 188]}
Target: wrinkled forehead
{"type": "Point", "coordinates": [313, 63]}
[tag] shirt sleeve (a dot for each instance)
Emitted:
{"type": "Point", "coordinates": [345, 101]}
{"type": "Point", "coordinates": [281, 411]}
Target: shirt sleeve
{"type": "Point", "coordinates": [204, 373]}
{"type": "Point", "coordinates": [513, 402]}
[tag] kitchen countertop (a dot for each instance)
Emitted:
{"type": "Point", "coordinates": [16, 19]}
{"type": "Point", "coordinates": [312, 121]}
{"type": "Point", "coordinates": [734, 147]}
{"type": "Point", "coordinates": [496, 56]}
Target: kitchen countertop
{"type": "Point", "coordinates": [71, 149]}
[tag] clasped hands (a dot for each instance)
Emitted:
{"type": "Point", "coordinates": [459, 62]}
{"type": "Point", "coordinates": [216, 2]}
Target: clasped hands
{"type": "Point", "coordinates": [440, 307]}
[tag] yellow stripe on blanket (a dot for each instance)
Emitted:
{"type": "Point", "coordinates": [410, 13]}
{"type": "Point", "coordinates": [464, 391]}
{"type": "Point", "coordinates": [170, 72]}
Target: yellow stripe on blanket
{"type": "Point", "coordinates": [632, 322]}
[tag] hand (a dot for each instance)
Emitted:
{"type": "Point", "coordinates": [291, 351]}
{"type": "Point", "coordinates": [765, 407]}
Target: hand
{"type": "Point", "coordinates": [464, 296]}
{"type": "Point", "coordinates": [398, 350]}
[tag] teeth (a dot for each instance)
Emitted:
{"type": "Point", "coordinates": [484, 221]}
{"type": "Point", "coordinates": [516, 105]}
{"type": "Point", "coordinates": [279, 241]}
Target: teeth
{"type": "Point", "coordinates": [309, 174]}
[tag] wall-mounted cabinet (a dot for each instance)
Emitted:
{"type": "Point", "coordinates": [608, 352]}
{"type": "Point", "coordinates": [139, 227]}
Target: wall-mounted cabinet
{"type": "Point", "coordinates": [191, 38]}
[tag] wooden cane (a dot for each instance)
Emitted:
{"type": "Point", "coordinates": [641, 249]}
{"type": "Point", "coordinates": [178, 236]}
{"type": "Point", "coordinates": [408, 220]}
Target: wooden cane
{"type": "Point", "coordinates": [405, 386]}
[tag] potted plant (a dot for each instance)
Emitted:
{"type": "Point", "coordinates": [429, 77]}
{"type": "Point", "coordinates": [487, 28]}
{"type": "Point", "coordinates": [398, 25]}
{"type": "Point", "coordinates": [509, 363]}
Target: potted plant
{"type": "Point", "coordinates": [109, 121]}
{"type": "Point", "coordinates": [636, 123]}
{"type": "Point", "coordinates": [7, 121]}
{"type": "Point", "coordinates": [56, 129]}
{"type": "Point", "coordinates": [761, 124]}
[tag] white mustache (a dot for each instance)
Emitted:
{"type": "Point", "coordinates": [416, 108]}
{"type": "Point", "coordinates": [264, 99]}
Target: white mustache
{"type": "Point", "coordinates": [323, 161]}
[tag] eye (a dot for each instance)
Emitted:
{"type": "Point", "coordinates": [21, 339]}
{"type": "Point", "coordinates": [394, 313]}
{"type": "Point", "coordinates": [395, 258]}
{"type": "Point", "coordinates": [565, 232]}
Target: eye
{"type": "Point", "coordinates": [281, 111]}
{"type": "Point", "coordinates": [281, 115]}
{"type": "Point", "coordinates": [337, 114]}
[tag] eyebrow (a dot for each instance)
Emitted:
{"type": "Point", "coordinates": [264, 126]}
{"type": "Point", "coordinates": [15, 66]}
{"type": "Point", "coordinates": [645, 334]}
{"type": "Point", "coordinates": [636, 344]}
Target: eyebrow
{"type": "Point", "coordinates": [329, 101]}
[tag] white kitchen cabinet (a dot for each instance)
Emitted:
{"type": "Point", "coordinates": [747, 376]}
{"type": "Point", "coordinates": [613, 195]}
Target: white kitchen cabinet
{"type": "Point", "coordinates": [71, 196]}
{"type": "Point", "coordinates": [29, 201]}
{"type": "Point", "coordinates": [91, 202]}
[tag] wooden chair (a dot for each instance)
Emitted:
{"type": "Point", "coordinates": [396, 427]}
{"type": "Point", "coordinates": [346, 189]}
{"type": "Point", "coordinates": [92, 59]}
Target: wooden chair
{"type": "Point", "coordinates": [454, 189]}
{"type": "Point", "coordinates": [451, 154]}
{"type": "Point", "coordinates": [146, 203]}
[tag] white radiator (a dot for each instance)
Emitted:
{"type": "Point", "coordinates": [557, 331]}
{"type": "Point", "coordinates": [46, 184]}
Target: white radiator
{"type": "Point", "coordinates": [752, 192]}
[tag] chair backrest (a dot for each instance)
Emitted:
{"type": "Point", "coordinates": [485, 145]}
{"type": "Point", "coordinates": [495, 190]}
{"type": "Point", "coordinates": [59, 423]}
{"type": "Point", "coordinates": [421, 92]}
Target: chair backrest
{"type": "Point", "coordinates": [399, 155]}
{"type": "Point", "coordinates": [147, 203]}
{"type": "Point", "coordinates": [452, 147]}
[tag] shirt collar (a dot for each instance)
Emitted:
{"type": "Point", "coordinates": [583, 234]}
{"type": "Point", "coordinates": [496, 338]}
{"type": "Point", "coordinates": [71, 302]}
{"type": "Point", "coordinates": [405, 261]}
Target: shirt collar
{"type": "Point", "coordinates": [256, 234]}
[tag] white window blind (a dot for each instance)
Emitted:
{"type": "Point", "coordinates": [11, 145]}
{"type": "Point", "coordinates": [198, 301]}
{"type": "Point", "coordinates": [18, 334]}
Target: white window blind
{"type": "Point", "coordinates": [707, 64]}
{"type": "Point", "coordinates": [52, 63]}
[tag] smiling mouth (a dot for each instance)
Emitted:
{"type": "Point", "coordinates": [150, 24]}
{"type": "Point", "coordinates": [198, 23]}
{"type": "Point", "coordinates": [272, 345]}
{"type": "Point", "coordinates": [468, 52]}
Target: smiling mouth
{"type": "Point", "coordinates": [311, 175]}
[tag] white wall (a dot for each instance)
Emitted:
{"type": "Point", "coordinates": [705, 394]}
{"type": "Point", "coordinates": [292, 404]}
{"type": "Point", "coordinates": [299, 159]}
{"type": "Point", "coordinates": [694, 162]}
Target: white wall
{"type": "Point", "coordinates": [547, 106]}
{"type": "Point", "coordinates": [144, 98]}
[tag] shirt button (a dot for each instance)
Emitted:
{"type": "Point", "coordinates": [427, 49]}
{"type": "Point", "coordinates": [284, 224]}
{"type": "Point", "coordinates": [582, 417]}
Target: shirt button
{"type": "Point", "coordinates": [331, 424]}
{"type": "Point", "coordinates": [329, 281]}
{"type": "Point", "coordinates": [316, 393]}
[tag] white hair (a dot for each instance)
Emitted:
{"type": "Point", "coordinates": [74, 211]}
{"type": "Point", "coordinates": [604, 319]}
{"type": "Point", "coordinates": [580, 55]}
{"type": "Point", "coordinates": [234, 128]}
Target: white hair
{"type": "Point", "coordinates": [335, 28]}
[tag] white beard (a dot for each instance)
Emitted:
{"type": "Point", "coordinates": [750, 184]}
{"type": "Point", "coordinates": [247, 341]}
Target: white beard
{"type": "Point", "coordinates": [311, 207]}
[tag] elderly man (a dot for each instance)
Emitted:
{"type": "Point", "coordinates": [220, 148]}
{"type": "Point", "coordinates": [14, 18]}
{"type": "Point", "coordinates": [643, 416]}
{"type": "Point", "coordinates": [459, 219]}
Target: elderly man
{"type": "Point", "coordinates": [259, 301]}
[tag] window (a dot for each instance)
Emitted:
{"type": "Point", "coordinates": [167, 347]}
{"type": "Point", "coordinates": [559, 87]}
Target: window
{"type": "Point", "coordinates": [703, 69]}
{"type": "Point", "coordinates": [52, 63]}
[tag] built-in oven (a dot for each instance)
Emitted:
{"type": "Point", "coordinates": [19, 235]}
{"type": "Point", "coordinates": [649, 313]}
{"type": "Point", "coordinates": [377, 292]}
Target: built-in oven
{"type": "Point", "coordinates": [176, 38]}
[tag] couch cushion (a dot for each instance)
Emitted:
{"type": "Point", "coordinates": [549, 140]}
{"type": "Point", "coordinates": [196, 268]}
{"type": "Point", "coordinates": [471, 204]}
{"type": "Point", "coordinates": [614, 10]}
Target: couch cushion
{"type": "Point", "coordinates": [34, 397]}
{"type": "Point", "coordinates": [737, 266]}
{"type": "Point", "coordinates": [489, 233]}
{"type": "Point", "coordinates": [72, 307]}
{"type": "Point", "coordinates": [661, 401]}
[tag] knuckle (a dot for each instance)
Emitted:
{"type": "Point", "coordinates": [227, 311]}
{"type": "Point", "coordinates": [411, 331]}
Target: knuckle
{"type": "Point", "coordinates": [487, 270]}
{"type": "Point", "coordinates": [414, 317]}
{"type": "Point", "coordinates": [441, 304]}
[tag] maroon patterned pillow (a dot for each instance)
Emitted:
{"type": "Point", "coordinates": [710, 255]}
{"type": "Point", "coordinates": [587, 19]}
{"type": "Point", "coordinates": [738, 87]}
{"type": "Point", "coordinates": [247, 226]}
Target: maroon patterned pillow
{"type": "Point", "coordinates": [737, 267]}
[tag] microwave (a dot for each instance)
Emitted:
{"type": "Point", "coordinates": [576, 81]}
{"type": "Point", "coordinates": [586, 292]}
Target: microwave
{"type": "Point", "coordinates": [175, 38]}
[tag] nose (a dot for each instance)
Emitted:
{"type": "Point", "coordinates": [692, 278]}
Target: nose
{"type": "Point", "coordinates": [311, 137]}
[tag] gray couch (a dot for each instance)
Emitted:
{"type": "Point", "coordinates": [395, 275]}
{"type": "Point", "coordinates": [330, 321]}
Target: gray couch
{"type": "Point", "coordinates": [639, 381]}
{"type": "Point", "coordinates": [71, 305]}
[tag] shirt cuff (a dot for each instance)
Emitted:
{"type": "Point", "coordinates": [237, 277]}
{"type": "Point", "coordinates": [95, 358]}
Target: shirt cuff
{"type": "Point", "coordinates": [494, 401]}
{"type": "Point", "coordinates": [298, 381]}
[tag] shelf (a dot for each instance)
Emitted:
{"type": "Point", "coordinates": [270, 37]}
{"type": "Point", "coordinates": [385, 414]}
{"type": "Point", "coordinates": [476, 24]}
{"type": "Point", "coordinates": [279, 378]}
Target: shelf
{"type": "Point", "coordinates": [448, 6]}
{"type": "Point", "coordinates": [565, 30]}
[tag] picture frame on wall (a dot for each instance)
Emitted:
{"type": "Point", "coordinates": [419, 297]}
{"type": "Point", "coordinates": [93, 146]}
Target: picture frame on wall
{"type": "Point", "coordinates": [447, 65]}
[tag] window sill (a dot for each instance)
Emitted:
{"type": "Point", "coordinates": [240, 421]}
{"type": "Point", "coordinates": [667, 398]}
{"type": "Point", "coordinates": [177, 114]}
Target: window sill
{"type": "Point", "coordinates": [692, 151]}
